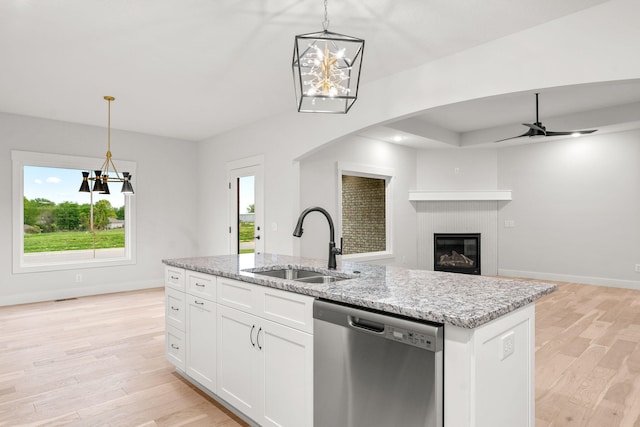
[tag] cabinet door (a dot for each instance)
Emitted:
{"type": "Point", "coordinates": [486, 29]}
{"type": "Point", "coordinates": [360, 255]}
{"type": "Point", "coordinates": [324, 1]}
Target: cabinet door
{"type": "Point", "coordinates": [201, 341]}
{"type": "Point", "coordinates": [237, 360]}
{"type": "Point", "coordinates": [286, 359]}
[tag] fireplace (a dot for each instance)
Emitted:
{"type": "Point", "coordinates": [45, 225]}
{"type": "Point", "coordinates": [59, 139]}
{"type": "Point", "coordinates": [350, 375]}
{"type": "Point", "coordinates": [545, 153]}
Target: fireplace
{"type": "Point", "coordinates": [456, 252]}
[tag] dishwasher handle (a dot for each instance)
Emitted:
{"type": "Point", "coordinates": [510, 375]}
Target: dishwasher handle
{"type": "Point", "coordinates": [366, 325]}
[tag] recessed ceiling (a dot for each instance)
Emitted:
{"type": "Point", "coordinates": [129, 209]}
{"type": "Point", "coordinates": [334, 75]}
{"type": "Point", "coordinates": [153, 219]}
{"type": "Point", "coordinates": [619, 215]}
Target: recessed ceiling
{"type": "Point", "coordinates": [192, 69]}
{"type": "Point", "coordinates": [610, 106]}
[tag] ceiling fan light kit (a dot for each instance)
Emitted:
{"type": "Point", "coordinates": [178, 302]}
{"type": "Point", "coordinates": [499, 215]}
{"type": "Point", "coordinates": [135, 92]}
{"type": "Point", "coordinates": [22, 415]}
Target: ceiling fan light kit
{"type": "Point", "coordinates": [326, 70]}
{"type": "Point", "coordinates": [537, 129]}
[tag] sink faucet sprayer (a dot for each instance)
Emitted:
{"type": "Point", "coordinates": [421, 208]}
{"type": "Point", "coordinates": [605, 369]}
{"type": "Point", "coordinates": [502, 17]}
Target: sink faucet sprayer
{"type": "Point", "coordinates": [333, 251]}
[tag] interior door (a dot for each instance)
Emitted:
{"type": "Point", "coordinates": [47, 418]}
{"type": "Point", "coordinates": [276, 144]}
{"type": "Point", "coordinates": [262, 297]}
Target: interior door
{"type": "Point", "coordinates": [246, 213]}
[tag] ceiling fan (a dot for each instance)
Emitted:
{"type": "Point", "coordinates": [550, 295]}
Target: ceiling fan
{"type": "Point", "coordinates": [536, 129]}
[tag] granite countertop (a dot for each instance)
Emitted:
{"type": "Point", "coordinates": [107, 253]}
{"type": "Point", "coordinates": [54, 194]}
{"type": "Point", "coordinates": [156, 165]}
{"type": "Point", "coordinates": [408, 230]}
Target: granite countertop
{"type": "Point", "coordinates": [462, 300]}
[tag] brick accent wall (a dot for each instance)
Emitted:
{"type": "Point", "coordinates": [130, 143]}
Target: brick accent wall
{"type": "Point", "coordinates": [363, 215]}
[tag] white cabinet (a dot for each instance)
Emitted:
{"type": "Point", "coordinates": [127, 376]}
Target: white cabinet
{"type": "Point", "coordinates": [248, 344]}
{"type": "Point", "coordinates": [265, 369]}
{"type": "Point", "coordinates": [202, 285]}
{"type": "Point", "coordinates": [175, 309]}
{"type": "Point", "coordinates": [174, 345]}
{"type": "Point", "coordinates": [286, 376]}
{"type": "Point", "coordinates": [174, 277]}
{"type": "Point", "coordinates": [201, 341]}
{"type": "Point", "coordinates": [237, 359]}
{"type": "Point", "coordinates": [175, 316]}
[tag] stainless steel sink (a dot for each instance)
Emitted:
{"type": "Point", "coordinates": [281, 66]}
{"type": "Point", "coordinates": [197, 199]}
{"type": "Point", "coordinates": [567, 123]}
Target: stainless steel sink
{"type": "Point", "coordinates": [321, 279]}
{"type": "Point", "coordinates": [300, 275]}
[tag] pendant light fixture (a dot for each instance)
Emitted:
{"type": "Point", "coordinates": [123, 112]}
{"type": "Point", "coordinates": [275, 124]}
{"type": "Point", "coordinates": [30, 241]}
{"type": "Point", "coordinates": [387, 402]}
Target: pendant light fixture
{"type": "Point", "coordinates": [326, 70]}
{"type": "Point", "coordinates": [104, 175]}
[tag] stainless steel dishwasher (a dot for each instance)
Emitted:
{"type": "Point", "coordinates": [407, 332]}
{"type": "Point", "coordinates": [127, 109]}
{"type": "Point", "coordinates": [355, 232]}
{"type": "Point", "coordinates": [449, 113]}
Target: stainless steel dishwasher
{"type": "Point", "coordinates": [375, 370]}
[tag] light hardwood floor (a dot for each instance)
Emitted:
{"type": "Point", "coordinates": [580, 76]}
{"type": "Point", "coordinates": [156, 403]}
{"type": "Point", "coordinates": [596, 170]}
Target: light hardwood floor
{"type": "Point", "coordinates": [588, 357]}
{"type": "Point", "coordinates": [98, 361]}
{"type": "Point", "coordinates": [95, 361]}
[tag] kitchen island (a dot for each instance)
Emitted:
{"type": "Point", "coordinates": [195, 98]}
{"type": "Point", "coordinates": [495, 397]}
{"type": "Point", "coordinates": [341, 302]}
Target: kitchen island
{"type": "Point", "coordinates": [488, 326]}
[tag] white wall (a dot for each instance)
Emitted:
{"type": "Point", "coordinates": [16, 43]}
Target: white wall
{"type": "Point", "coordinates": [592, 46]}
{"type": "Point", "coordinates": [319, 187]}
{"type": "Point", "coordinates": [457, 170]}
{"type": "Point", "coordinates": [165, 201]}
{"type": "Point", "coordinates": [576, 207]}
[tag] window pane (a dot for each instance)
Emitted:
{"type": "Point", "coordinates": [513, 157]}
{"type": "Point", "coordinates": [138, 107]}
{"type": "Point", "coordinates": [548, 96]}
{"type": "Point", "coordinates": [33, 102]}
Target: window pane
{"type": "Point", "coordinates": [363, 215]}
{"type": "Point", "coordinates": [62, 224]}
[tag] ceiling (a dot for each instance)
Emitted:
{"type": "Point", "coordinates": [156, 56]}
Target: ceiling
{"type": "Point", "coordinates": [608, 107]}
{"type": "Point", "coordinates": [193, 69]}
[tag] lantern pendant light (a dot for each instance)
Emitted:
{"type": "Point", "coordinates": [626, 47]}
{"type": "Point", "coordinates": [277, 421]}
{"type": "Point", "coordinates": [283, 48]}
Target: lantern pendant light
{"type": "Point", "coordinates": [102, 176]}
{"type": "Point", "coordinates": [326, 70]}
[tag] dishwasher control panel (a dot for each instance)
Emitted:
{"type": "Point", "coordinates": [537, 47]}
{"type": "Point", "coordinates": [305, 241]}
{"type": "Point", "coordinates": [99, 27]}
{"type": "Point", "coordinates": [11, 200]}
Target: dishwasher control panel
{"type": "Point", "coordinates": [416, 339]}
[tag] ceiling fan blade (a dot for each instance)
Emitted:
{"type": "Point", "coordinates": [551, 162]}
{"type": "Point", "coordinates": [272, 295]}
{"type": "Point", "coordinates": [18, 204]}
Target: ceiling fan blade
{"type": "Point", "coordinates": [513, 137]}
{"type": "Point", "coordinates": [562, 133]}
{"type": "Point", "coordinates": [535, 127]}
{"type": "Point", "coordinates": [552, 133]}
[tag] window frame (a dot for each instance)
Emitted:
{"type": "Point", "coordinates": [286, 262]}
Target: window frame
{"type": "Point", "coordinates": [20, 159]}
{"type": "Point", "coordinates": [376, 172]}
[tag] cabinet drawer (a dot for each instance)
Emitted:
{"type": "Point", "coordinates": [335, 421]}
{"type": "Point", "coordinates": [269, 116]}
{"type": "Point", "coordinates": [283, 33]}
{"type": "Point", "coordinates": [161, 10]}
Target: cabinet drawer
{"type": "Point", "coordinates": [236, 294]}
{"type": "Point", "coordinates": [175, 309]}
{"type": "Point", "coordinates": [202, 285]}
{"type": "Point", "coordinates": [174, 277]}
{"type": "Point", "coordinates": [287, 308]}
{"type": "Point", "coordinates": [175, 347]}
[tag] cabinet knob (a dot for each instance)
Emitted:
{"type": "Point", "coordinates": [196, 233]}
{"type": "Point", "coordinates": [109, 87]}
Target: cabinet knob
{"type": "Point", "coordinates": [258, 338]}
{"type": "Point", "coordinates": [251, 335]}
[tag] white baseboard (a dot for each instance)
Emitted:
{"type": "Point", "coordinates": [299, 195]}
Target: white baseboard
{"type": "Point", "coordinates": [80, 291]}
{"type": "Point", "coordinates": [587, 280]}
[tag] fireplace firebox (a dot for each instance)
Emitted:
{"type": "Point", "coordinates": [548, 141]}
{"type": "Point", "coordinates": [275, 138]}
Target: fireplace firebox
{"type": "Point", "coordinates": [456, 252]}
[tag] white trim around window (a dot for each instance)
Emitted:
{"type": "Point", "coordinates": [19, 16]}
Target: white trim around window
{"type": "Point", "coordinates": [368, 171]}
{"type": "Point", "coordinates": [20, 159]}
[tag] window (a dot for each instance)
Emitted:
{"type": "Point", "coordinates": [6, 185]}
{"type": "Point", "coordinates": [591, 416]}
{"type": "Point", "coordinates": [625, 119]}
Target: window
{"type": "Point", "coordinates": [365, 214]}
{"type": "Point", "coordinates": [55, 227]}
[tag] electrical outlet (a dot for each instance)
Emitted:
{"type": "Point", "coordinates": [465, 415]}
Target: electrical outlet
{"type": "Point", "coordinates": [78, 278]}
{"type": "Point", "coordinates": [637, 268]}
{"type": "Point", "coordinates": [507, 345]}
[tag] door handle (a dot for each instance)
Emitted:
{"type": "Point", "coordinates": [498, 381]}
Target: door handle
{"type": "Point", "coordinates": [258, 338]}
{"type": "Point", "coordinates": [251, 335]}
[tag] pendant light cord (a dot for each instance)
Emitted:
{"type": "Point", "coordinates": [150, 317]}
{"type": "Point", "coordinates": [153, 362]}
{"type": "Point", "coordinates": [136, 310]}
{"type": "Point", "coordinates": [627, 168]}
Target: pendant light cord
{"type": "Point", "coordinates": [109, 127]}
{"type": "Point", "coordinates": [325, 23]}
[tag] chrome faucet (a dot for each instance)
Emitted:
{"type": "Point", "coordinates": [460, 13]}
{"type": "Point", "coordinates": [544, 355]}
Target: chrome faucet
{"type": "Point", "coordinates": [333, 251]}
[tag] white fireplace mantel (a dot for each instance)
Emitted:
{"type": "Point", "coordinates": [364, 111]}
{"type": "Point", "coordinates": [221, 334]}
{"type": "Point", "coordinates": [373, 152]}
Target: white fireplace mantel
{"type": "Point", "coordinates": [421, 196]}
